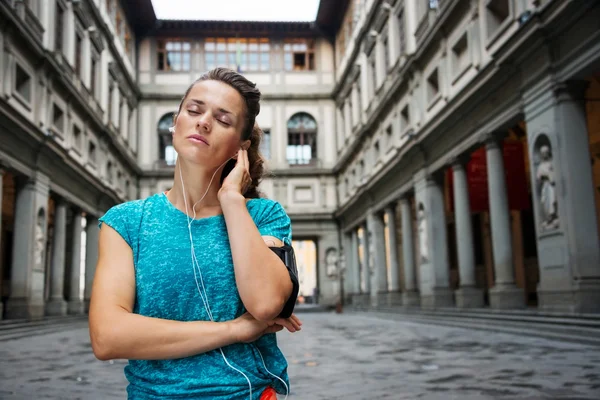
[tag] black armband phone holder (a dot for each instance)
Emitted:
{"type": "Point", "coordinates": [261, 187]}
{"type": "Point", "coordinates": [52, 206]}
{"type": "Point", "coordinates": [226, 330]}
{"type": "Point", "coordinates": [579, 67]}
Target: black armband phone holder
{"type": "Point", "coordinates": [286, 254]}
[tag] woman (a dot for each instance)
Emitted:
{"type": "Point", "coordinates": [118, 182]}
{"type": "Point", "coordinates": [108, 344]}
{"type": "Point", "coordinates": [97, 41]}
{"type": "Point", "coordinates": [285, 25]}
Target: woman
{"type": "Point", "coordinates": [186, 286]}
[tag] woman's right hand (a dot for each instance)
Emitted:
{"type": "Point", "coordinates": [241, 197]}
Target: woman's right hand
{"type": "Point", "coordinates": [247, 329]}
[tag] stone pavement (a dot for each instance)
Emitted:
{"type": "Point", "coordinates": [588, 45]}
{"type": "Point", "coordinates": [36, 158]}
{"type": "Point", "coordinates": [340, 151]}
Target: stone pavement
{"type": "Point", "coordinates": [347, 356]}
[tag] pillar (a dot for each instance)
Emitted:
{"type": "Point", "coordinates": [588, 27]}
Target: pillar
{"type": "Point", "coordinates": [379, 286]}
{"type": "Point", "coordinates": [367, 266]}
{"type": "Point", "coordinates": [348, 275]}
{"type": "Point", "coordinates": [563, 198]}
{"type": "Point", "coordinates": [467, 296]}
{"type": "Point", "coordinates": [434, 273]}
{"type": "Point", "coordinates": [394, 297]}
{"type": "Point", "coordinates": [91, 257]}
{"type": "Point", "coordinates": [410, 296]}
{"type": "Point", "coordinates": [29, 247]}
{"type": "Point", "coordinates": [57, 304]}
{"type": "Point", "coordinates": [504, 294]}
{"type": "Point", "coordinates": [75, 295]}
{"type": "Point", "coordinates": [3, 266]}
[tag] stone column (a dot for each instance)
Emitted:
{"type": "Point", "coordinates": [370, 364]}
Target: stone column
{"type": "Point", "coordinates": [57, 304]}
{"type": "Point", "coordinates": [434, 270]}
{"type": "Point", "coordinates": [75, 295]}
{"type": "Point", "coordinates": [504, 294]}
{"type": "Point", "coordinates": [348, 276]}
{"type": "Point", "coordinates": [367, 266]}
{"type": "Point", "coordinates": [4, 266]}
{"type": "Point", "coordinates": [29, 247]}
{"type": "Point", "coordinates": [467, 295]}
{"type": "Point", "coordinates": [563, 198]}
{"type": "Point", "coordinates": [355, 263]}
{"type": "Point", "coordinates": [379, 286]}
{"type": "Point", "coordinates": [91, 257]}
{"type": "Point", "coordinates": [395, 297]}
{"type": "Point", "coordinates": [410, 296]}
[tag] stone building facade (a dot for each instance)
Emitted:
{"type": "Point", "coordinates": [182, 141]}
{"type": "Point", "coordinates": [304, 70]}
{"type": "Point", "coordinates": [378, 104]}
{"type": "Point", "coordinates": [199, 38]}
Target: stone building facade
{"type": "Point", "coordinates": [438, 153]}
{"type": "Point", "coordinates": [467, 166]}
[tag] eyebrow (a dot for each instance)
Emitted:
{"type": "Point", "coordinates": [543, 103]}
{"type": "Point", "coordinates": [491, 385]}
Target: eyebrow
{"type": "Point", "coordinates": [201, 103]}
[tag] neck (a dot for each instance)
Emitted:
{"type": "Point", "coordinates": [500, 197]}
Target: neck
{"type": "Point", "coordinates": [195, 190]}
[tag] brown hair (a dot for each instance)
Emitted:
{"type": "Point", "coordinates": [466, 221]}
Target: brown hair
{"type": "Point", "coordinates": [250, 131]}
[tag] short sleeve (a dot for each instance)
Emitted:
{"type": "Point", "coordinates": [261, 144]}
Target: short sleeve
{"type": "Point", "coordinates": [118, 218]}
{"type": "Point", "coordinates": [274, 221]}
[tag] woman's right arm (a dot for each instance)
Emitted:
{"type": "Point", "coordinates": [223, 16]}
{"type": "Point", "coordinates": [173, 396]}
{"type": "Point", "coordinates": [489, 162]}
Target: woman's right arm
{"type": "Point", "coordinates": [116, 332]}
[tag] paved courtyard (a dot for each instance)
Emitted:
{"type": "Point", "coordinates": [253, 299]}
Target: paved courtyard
{"type": "Point", "coordinates": [348, 356]}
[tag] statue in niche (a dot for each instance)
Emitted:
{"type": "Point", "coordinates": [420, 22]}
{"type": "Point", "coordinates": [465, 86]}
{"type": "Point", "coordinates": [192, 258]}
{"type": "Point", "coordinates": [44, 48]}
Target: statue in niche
{"type": "Point", "coordinates": [423, 239]}
{"type": "Point", "coordinates": [371, 254]}
{"type": "Point", "coordinates": [546, 183]}
{"type": "Point", "coordinates": [40, 241]}
{"type": "Point", "coordinates": [331, 262]}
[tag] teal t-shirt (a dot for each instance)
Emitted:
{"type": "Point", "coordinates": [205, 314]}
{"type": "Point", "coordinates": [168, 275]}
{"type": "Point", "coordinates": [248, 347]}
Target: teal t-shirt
{"type": "Point", "coordinates": [166, 288]}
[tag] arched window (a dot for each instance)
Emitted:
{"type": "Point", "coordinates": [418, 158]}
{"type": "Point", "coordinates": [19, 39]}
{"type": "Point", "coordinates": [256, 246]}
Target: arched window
{"type": "Point", "coordinates": [167, 152]}
{"type": "Point", "coordinates": [302, 139]}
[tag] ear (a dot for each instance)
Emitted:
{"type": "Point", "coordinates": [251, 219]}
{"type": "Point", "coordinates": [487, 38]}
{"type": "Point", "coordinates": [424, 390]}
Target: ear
{"type": "Point", "coordinates": [245, 145]}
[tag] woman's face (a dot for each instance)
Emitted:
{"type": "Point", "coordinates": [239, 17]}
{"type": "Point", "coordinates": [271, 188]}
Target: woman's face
{"type": "Point", "coordinates": [209, 125]}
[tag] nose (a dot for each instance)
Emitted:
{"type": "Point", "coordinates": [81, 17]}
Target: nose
{"type": "Point", "coordinates": [204, 122]}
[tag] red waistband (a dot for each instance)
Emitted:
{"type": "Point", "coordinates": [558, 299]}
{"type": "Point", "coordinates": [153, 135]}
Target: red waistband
{"type": "Point", "coordinates": [269, 394]}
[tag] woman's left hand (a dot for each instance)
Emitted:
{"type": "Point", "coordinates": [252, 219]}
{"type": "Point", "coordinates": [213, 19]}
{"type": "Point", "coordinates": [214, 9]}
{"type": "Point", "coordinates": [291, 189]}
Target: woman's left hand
{"type": "Point", "coordinates": [239, 179]}
{"type": "Point", "coordinates": [292, 323]}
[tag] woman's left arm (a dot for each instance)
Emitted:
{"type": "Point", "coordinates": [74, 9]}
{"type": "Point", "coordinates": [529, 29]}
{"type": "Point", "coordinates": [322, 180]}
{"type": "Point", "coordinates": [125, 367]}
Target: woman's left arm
{"type": "Point", "coordinates": [262, 279]}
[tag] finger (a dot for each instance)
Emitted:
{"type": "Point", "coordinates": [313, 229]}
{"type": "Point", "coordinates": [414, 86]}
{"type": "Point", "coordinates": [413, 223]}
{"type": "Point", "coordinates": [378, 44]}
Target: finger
{"type": "Point", "coordinates": [246, 161]}
{"type": "Point", "coordinates": [295, 317]}
{"type": "Point", "coordinates": [273, 329]}
{"type": "Point", "coordinates": [287, 324]}
{"type": "Point", "coordinates": [294, 323]}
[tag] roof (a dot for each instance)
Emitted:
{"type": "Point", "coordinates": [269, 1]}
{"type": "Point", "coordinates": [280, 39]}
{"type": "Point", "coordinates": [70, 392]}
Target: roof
{"type": "Point", "coordinates": [223, 28]}
{"type": "Point", "coordinates": [331, 14]}
{"type": "Point", "coordinates": [140, 14]}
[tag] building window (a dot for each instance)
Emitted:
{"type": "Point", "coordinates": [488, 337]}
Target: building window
{"type": "Point", "coordinates": [78, 48]}
{"type": "Point", "coordinates": [302, 139]}
{"type": "Point", "coordinates": [401, 34]}
{"type": "Point", "coordinates": [174, 55]}
{"type": "Point", "coordinates": [359, 98]}
{"type": "Point", "coordinates": [373, 68]}
{"type": "Point", "coordinates": [299, 55]}
{"type": "Point", "coordinates": [109, 172]}
{"type": "Point", "coordinates": [109, 106]}
{"type": "Point", "coordinates": [93, 76]}
{"type": "Point", "coordinates": [58, 119]}
{"type": "Point", "coordinates": [77, 138]}
{"type": "Point", "coordinates": [58, 31]}
{"type": "Point", "coordinates": [23, 83]}
{"type": "Point", "coordinates": [433, 86]}
{"type": "Point", "coordinates": [240, 54]}
{"type": "Point", "coordinates": [265, 144]}
{"type": "Point", "coordinates": [497, 11]}
{"type": "Point", "coordinates": [92, 152]}
{"type": "Point", "coordinates": [404, 119]}
{"type": "Point", "coordinates": [167, 153]}
{"type": "Point", "coordinates": [386, 53]}
{"type": "Point", "coordinates": [460, 55]}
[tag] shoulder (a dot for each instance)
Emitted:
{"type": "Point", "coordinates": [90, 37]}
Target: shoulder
{"type": "Point", "coordinates": [128, 209]}
{"type": "Point", "coordinates": [262, 206]}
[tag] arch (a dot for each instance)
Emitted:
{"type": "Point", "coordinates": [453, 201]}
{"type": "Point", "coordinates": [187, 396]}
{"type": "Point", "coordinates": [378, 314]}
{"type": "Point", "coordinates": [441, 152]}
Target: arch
{"type": "Point", "coordinates": [166, 152]}
{"type": "Point", "coordinates": [302, 139]}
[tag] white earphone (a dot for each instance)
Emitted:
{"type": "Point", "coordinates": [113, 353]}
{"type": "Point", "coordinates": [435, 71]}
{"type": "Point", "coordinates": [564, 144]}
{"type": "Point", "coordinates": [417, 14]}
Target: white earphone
{"type": "Point", "coordinates": [196, 267]}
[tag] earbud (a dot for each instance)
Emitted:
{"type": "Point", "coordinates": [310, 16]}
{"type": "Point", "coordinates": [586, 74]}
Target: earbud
{"type": "Point", "coordinates": [172, 129]}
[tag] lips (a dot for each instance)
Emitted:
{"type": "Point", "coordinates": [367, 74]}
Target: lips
{"type": "Point", "coordinates": [198, 138]}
